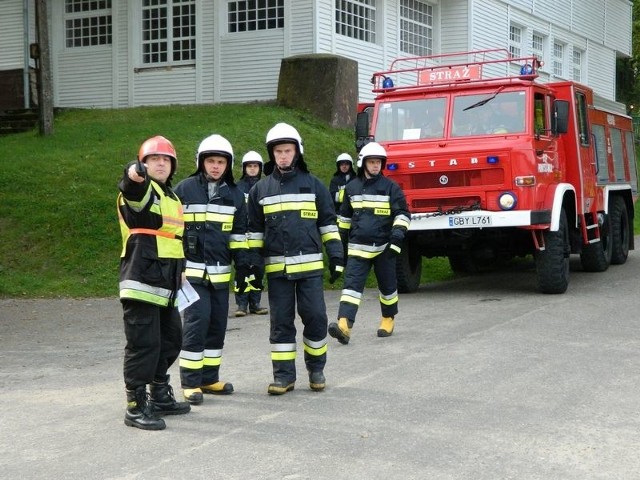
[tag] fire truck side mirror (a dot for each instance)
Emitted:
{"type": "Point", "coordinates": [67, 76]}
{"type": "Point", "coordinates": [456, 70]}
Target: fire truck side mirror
{"type": "Point", "coordinates": [560, 118]}
{"type": "Point", "coordinates": [362, 129]}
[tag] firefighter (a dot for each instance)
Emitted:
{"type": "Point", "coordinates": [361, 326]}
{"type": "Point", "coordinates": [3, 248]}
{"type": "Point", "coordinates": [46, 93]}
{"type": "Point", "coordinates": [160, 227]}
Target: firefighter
{"type": "Point", "coordinates": [344, 174]}
{"type": "Point", "coordinates": [291, 216]}
{"type": "Point", "coordinates": [151, 264]}
{"type": "Point", "coordinates": [215, 234]}
{"type": "Point", "coordinates": [249, 302]}
{"type": "Point", "coordinates": [375, 218]}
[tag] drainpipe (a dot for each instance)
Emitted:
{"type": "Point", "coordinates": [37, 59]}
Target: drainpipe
{"type": "Point", "coordinates": [25, 74]}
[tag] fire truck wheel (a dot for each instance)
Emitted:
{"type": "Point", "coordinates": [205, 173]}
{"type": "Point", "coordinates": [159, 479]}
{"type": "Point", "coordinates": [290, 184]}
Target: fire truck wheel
{"type": "Point", "coordinates": [552, 263]}
{"type": "Point", "coordinates": [620, 238]}
{"type": "Point", "coordinates": [596, 257]}
{"type": "Point", "coordinates": [409, 269]}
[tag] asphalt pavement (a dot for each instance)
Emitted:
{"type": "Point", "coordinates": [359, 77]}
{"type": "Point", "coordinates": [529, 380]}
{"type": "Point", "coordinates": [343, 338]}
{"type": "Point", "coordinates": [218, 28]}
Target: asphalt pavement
{"type": "Point", "coordinates": [483, 379]}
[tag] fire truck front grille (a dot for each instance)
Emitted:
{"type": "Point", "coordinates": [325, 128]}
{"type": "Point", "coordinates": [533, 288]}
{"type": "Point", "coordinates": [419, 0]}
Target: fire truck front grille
{"type": "Point", "coordinates": [458, 178]}
{"type": "Point", "coordinates": [443, 204]}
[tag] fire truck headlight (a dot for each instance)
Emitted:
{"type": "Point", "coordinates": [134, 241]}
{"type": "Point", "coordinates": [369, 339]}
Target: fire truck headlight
{"type": "Point", "coordinates": [493, 159]}
{"type": "Point", "coordinates": [507, 201]}
{"type": "Point", "coordinates": [392, 166]}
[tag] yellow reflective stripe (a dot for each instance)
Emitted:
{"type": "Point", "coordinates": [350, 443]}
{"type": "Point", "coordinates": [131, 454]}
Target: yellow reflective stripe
{"type": "Point", "coordinates": [218, 217]}
{"type": "Point", "coordinates": [238, 245]}
{"type": "Point", "coordinates": [191, 364]}
{"type": "Point", "coordinates": [274, 267]}
{"type": "Point", "coordinates": [289, 206]}
{"type": "Point", "coordinates": [305, 267]}
{"type": "Point", "coordinates": [330, 236]}
{"type": "Point", "coordinates": [194, 217]}
{"type": "Point", "coordinates": [255, 243]}
{"type": "Point", "coordinates": [351, 296]}
{"type": "Point", "coordinates": [344, 223]}
{"type": "Point", "coordinates": [212, 362]}
{"type": "Point", "coordinates": [401, 221]}
{"type": "Point", "coordinates": [283, 356]}
{"type": "Point", "coordinates": [219, 278]}
{"type": "Point", "coordinates": [352, 252]}
{"type": "Point", "coordinates": [316, 352]}
{"type": "Point", "coordinates": [389, 299]}
{"type": "Point", "coordinates": [144, 297]}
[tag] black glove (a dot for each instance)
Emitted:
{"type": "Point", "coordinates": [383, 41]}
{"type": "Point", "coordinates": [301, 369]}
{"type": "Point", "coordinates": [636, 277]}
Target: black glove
{"type": "Point", "coordinates": [395, 242]}
{"type": "Point", "coordinates": [255, 278]}
{"type": "Point", "coordinates": [240, 282]}
{"type": "Point", "coordinates": [335, 270]}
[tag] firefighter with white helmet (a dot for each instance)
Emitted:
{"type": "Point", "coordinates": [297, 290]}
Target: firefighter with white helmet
{"type": "Point", "coordinates": [344, 174]}
{"type": "Point", "coordinates": [249, 302]}
{"type": "Point", "coordinates": [215, 236]}
{"type": "Point", "coordinates": [291, 216]}
{"type": "Point", "coordinates": [151, 264]}
{"type": "Point", "coordinates": [375, 218]}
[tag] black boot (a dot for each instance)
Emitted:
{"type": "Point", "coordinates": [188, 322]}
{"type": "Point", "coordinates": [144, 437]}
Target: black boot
{"type": "Point", "coordinates": [317, 381]}
{"type": "Point", "coordinates": [139, 413]}
{"type": "Point", "coordinates": [163, 402]}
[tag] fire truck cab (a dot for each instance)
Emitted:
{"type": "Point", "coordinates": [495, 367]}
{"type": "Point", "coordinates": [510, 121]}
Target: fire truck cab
{"type": "Point", "coordinates": [495, 164]}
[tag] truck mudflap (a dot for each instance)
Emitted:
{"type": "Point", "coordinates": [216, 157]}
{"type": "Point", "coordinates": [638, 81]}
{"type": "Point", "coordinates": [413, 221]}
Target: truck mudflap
{"type": "Point", "coordinates": [479, 219]}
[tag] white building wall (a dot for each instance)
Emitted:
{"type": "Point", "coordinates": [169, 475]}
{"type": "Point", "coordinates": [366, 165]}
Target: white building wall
{"type": "Point", "coordinates": [11, 35]}
{"type": "Point", "coordinates": [245, 66]}
{"type": "Point", "coordinates": [82, 77]}
{"type": "Point", "coordinates": [602, 70]}
{"type": "Point", "coordinates": [250, 65]}
{"type": "Point", "coordinates": [454, 30]}
{"type": "Point", "coordinates": [618, 25]}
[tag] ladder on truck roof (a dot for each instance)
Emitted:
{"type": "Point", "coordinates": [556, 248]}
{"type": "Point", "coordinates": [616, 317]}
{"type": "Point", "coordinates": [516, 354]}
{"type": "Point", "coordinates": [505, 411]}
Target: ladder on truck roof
{"type": "Point", "coordinates": [454, 68]}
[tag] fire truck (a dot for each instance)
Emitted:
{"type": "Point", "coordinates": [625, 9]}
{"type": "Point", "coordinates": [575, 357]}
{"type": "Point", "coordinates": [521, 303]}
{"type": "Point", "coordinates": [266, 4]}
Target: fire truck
{"type": "Point", "coordinates": [496, 164]}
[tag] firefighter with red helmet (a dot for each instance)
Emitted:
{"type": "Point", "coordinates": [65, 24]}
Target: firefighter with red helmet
{"type": "Point", "coordinates": [375, 219]}
{"type": "Point", "coordinates": [151, 264]}
{"type": "Point", "coordinates": [291, 216]}
{"type": "Point", "coordinates": [215, 217]}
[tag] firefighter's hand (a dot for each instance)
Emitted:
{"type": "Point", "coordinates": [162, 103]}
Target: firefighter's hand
{"type": "Point", "coordinates": [395, 244]}
{"type": "Point", "coordinates": [240, 282]}
{"type": "Point", "coordinates": [335, 270]}
{"type": "Point", "coordinates": [254, 278]}
{"type": "Point", "coordinates": [137, 172]}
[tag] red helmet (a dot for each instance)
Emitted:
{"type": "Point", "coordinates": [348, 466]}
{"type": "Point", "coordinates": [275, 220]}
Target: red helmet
{"type": "Point", "coordinates": [159, 145]}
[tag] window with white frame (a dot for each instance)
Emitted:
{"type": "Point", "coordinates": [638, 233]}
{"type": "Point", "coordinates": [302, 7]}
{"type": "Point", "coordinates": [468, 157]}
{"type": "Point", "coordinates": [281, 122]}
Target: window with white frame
{"type": "Point", "coordinates": [558, 59]}
{"type": "Point", "coordinates": [356, 19]}
{"type": "Point", "coordinates": [537, 45]}
{"type": "Point", "coordinates": [87, 23]}
{"type": "Point", "coordinates": [416, 27]}
{"type": "Point", "coordinates": [250, 15]}
{"type": "Point", "coordinates": [168, 31]}
{"type": "Point", "coordinates": [578, 55]}
{"type": "Point", "coordinates": [515, 41]}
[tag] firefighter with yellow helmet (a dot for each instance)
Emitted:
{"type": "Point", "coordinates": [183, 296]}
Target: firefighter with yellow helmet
{"type": "Point", "coordinates": [291, 216]}
{"type": "Point", "coordinates": [375, 218]}
{"type": "Point", "coordinates": [151, 264]}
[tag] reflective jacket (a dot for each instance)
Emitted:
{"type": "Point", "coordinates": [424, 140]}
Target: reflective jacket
{"type": "Point", "coordinates": [290, 217]}
{"type": "Point", "coordinates": [215, 231]}
{"type": "Point", "coordinates": [373, 211]}
{"type": "Point", "coordinates": [336, 187]}
{"type": "Point", "coordinates": [151, 225]}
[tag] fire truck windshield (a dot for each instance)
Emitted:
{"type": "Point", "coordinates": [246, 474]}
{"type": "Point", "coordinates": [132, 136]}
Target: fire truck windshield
{"type": "Point", "coordinates": [482, 115]}
{"type": "Point", "coordinates": [426, 118]}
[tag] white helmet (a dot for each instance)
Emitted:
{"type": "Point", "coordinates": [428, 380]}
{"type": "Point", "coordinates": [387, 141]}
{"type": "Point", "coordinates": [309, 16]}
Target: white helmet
{"type": "Point", "coordinates": [344, 157]}
{"type": "Point", "coordinates": [216, 145]}
{"type": "Point", "coordinates": [372, 150]}
{"type": "Point", "coordinates": [284, 133]}
{"type": "Point", "coordinates": [252, 156]}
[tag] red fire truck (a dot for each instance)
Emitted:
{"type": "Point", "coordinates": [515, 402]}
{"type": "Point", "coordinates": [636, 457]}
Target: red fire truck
{"type": "Point", "coordinates": [496, 165]}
